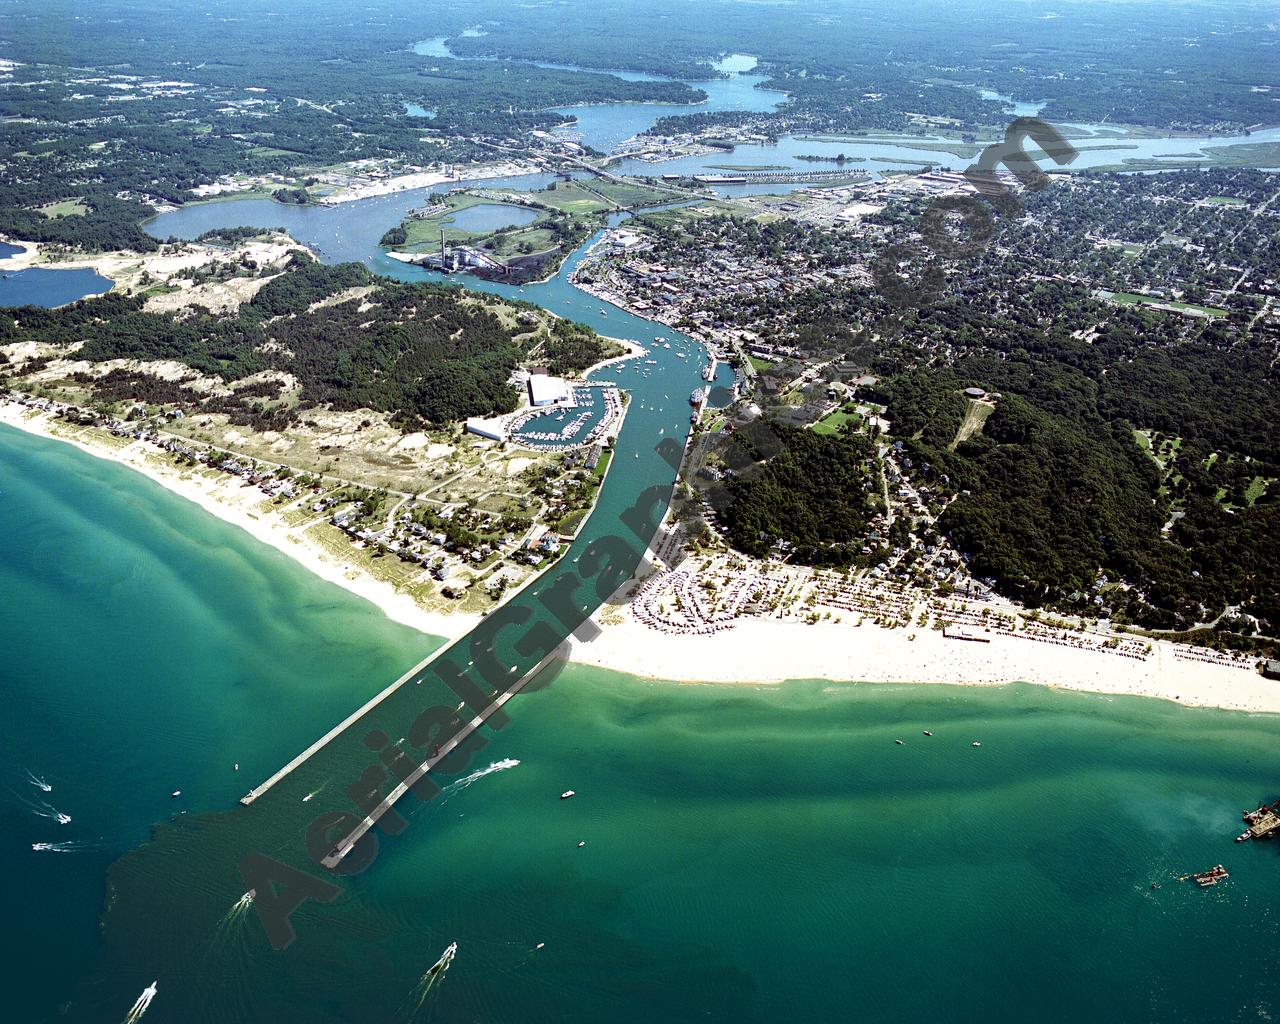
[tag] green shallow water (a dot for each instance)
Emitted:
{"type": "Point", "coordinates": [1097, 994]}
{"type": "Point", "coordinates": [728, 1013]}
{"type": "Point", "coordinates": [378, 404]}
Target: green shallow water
{"type": "Point", "coordinates": [753, 853]}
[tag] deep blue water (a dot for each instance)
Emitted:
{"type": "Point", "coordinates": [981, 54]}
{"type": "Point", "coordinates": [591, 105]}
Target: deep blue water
{"type": "Point", "coordinates": [491, 217]}
{"type": "Point", "coordinates": [39, 286]}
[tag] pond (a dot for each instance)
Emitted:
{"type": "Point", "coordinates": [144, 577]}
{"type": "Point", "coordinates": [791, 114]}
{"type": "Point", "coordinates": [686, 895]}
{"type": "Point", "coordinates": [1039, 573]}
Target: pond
{"type": "Point", "coordinates": [490, 217]}
{"type": "Point", "coordinates": [40, 286]}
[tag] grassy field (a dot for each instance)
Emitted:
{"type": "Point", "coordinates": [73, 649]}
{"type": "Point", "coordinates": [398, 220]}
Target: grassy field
{"type": "Point", "coordinates": [632, 195]}
{"type": "Point", "coordinates": [974, 419]}
{"type": "Point", "coordinates": [602, 466]}
{"type": "Point", "coordinates": [66, 208]}
{"type": "Point", "coordinates": [1130, 298]}
{"type": "Point", "coordinates": [425, 231]}
{"type": "Point", "coordinates": [832, 424]}
{"type": "Point", "coordinates": [598, 196]}
{"type": "Point", "coordinates": [686, 214]}
{"type": "Point", "coordinates": [1127, 249]}
{"type": "Point", "coordinates": [1257, 488]}
{"type": "Point", "coordinates": [519, 242]}
{"type": "Point", "coordinates": [573, 198]}
{"type": "Point", "coordinates": [570, 522]}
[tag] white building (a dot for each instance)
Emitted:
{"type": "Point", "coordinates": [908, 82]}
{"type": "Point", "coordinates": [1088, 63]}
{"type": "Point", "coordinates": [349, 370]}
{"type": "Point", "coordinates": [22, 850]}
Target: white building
{"type": "Point", "coordinates": [547, 390]}
{"type": "Point", "coordinates": [494, 429]}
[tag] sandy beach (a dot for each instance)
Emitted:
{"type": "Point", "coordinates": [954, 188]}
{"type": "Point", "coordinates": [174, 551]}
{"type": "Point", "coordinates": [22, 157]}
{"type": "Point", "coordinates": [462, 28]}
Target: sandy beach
{"type": "Point", "coordinates": [755, 650]}
{"type": "Point", "coordinates": [226, 498]}
{"type": "Point", "coordinates": [760, 650]}
{"type": "Point", "coordinates": [28, 257]}
{"type": "Point", "coordinates": [425, 179]}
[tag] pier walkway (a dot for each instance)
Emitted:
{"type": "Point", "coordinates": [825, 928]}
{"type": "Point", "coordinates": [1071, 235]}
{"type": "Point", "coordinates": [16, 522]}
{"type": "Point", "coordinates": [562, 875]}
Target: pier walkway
{"type": "Point", "coordinates": [348, 842]}
{"type": "Point", "coordinates": [341, 727]}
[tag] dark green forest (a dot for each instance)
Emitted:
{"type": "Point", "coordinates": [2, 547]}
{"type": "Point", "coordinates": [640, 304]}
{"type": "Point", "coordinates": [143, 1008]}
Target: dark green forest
{"type": "Point", "coordinates": [423, 353]}
{"type": "Point", "coordinates": [1056, 488]}
{"type": "Point", "coordinates": [816, 495]}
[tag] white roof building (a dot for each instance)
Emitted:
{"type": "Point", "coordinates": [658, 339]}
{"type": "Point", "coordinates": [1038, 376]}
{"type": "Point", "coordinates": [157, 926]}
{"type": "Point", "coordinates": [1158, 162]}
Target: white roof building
{"type": "Point", "coordinates": [547, 390]}
{"type": "Point", "coordinates": [494, 429]}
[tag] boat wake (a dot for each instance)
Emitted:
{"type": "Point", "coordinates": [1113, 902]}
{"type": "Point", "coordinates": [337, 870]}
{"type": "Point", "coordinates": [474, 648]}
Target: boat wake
{"type": "Point", "coordinates": [458, 785]}
{"type": "Point", "coordinates": [466, 780]}
{"type": "Point", "coordinates": [428, 985]}
{"type": "Point", "coordinates": [227, 935]}
{"type": "Point", "coordinates": [41, 808]}
{"type": "Point", "coordinates": [231, 922]}
{"type": "Point", "coordinates": [240, 906]}
{"type": "Point", "coordinates": [38, 782]}
{"type": "Point", "coordinates": [140, 1007]}
{"type": "Point", "coordinates": [314, 792]}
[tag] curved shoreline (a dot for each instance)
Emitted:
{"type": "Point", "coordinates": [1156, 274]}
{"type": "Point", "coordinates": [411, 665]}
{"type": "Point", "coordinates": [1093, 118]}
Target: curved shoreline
{"type": "Point", "coordinates": [204, 492]}
{"type": "Point", "coordinates": [781, 651]}
{"type": "Point", "coordinates": [775, 651]}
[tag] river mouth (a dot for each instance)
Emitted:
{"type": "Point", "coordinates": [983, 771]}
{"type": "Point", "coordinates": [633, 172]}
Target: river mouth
{"type": "Point", "coordinates": [740, 844]}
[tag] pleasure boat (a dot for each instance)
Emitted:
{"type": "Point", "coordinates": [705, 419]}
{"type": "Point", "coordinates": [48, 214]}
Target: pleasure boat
{"type": "Point", "coordinates": [566, 794]}
{"type": "Point", "coordinates": [446, 958]}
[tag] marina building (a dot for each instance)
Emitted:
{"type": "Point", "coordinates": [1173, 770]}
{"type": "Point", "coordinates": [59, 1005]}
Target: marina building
{"type": "Point", "coordinates": [547, 390]}
{"type": "Point", "coordinates": [494, 429]}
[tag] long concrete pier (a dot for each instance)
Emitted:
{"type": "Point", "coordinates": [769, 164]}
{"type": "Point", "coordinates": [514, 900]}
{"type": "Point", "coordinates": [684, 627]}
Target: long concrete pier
{"type": "Point", "coordinates": [341, 727]}
{"type": "Point", "coordinates": [348, 842]}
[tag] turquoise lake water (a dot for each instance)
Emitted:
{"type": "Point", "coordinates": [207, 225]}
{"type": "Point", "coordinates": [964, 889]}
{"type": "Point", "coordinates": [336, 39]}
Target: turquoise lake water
{"type": "Point", "coordinates": [752, 853]}
{"type": "Point", "coordinates": [147, 647]}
